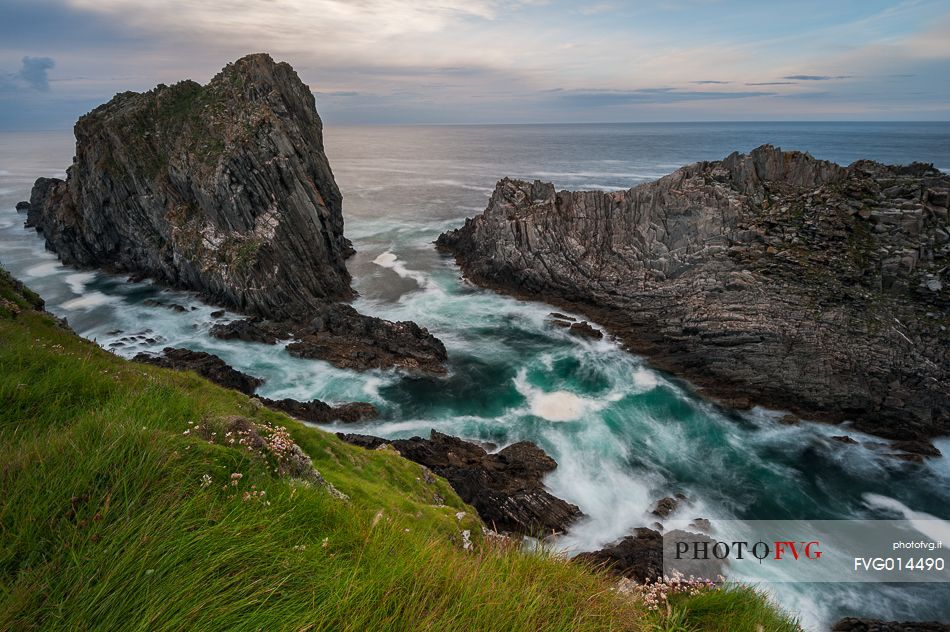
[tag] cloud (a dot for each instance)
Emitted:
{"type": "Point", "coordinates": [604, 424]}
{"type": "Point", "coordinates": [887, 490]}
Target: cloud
{"type": "Point", "coordinates": [339, 93]}
{"type": "Point", "coordinates": [817, 77]}
{"type": "Point", "coordinates": [33, 72]}
{"type": "Point", "coordinates": [598, 8]}
{"type": "Point", "coordinates": [599, 98]}
{"type": "Point", "coordinates": [492, 60]}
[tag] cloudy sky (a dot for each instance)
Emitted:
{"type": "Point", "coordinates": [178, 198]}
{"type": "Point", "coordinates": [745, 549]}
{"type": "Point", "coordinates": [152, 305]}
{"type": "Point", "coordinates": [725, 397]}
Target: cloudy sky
{"type": "Point", "coordinates": [496, 61]}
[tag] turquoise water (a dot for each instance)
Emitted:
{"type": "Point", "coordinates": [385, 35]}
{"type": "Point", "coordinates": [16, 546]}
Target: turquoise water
{"type": "Point", "coordinates": [623, 434]}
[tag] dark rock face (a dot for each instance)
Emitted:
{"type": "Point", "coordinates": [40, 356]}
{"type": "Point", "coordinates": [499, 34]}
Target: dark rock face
{"type": "Point", "coordinates": [666, 506]}
{"type": "Point", "coordinates": [505, 488]}
{"type": "Point", "coordinates": [638, 556]}
{"type": "Point", "coordinates": [342, 336]}
{"type": "Point", "coordinates": [213, 368]}
{"type": "Point", "coordinates": [844, 439]}
{"type": "Point", "coordinates": [204, 364]}
{"type": "Point", "coordinates": [224, 189]}
{"type": "Point", "coordinates": [584, 329]}
{"type": "Point", "coordinates": [22, 206]}
{"type": "Point", "coordinates": [770, 278]}
{"type": "Point", "coordinates": [641, 555]}
{"type": "Point", "coordinates": [854, 624]}
{"type": "Point", "coordinates": [348, 339]}
{"type": "Point", "coordinates": [252, 330]}
{"type": "Point", "coordinates": [319, 412]}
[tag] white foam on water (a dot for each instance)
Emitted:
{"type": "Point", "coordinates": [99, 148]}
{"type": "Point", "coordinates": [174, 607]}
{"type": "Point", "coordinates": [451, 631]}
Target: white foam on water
{"type": "Point", "coordinates": [931, 526]}
{"type": "Point", "coordinates": [461, 185]}
{"type": "Point", "coordinates": [391, 261]}
{"type": "Point", "coordinates": [88, 301]}
{"type": "Point", "coordinates": [77, 281]}
{"type": "Point", "coordinates": [557, 406]}
{"type": "Point", "coordinates": [386, 260]}
{"type": "Point", "coordinates": [44, 269]}
{"type": "Point", "coordinates": [644, 379]}
{"type": "Point", "coordinates": [591, 475]}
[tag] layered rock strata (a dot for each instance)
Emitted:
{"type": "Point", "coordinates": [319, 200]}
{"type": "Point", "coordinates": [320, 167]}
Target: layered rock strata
{"type": "Point", "coordinates": [770, 278]}
{"type": "Point", "coordinates": [224, 189]}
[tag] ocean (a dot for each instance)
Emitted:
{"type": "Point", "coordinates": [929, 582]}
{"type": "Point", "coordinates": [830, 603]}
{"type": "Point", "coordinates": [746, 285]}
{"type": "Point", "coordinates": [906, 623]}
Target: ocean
{"type": "Point", "coordinates": [623, 434]}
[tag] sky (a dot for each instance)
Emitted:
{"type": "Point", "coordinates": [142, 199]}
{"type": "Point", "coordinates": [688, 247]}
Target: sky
{"type": "Point", "coordinates": [495, 61]}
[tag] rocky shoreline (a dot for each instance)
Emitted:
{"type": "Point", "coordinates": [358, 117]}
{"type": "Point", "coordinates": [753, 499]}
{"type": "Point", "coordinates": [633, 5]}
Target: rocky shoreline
{"type": "Point", "coordinates": [505, 488]}
{"type": "Point", "coordinates": [214, 369]}
{"type": "Point", "coordinates": [224, 189]}
{"type": "Point", "coordinates": [342, 336]}
{"type": "Point", "coordinates": [770, 278]}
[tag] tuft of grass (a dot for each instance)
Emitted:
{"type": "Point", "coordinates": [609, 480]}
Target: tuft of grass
{"type": "Point", "coordinates": [731, 608]}
{"type": "Point", "coordinates": [115, 514]}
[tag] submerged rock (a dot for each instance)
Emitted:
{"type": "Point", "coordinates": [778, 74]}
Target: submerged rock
{"type": "Point", "coordinates": [584, 329]}
{"type": "Point", "coordinates": [505, 488]}
{"type": "Point", "coordinates": [666, 506]}
{"type": "Point", "coordinates": [770, 278]}
{"type": "Point", "coordinates": [844, 439]}
{"type": "Point", "coordinates": [224, 189]}
{"type": "Point", "coordinates": [175, 307]}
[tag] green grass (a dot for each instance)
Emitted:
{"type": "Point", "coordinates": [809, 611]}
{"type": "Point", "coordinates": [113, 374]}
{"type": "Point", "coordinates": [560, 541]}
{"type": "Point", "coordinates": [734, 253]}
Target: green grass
{"type": "Point", "coordinates": [112, 518]}
{"type": "Point", "coordinates": [724, 610]}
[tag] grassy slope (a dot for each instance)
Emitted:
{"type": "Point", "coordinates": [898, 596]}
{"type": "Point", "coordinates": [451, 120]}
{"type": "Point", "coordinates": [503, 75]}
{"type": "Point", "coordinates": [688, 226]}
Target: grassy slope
{"type": "Point", "coordinates": [106, 521]}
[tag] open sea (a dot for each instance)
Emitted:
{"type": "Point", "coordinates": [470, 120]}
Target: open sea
{"type": "Point", "coordinates": [623, 434]}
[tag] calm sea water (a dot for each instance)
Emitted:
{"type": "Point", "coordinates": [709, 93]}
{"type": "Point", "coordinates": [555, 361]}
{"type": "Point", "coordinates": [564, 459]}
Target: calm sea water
{"type": "Point", "coordinates": [623, 434]}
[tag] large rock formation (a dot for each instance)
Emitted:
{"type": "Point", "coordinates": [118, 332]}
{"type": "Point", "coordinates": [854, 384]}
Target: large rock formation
{"type": "Point", "coordinates": [770, 278]}
{"type": "Point", "coordinates": [224, 189]}
{"type": "Point", "coordinates": [505, 488]}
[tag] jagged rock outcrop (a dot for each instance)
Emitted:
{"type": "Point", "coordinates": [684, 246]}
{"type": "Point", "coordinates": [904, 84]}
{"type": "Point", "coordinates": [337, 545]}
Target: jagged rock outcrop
{"type": "Point", "coordinates": [214, 369]}
{"type": "Point", "coordinates": [207, 365]}
{"type": "Point", "coordinates": [319, 412]}
{"type": "Point", "coordinates": [339, 334]}
{"type": "Point", "coordinates": [646, 556]}
{"type": "Point", "coordinates": [638, 556]}
{"type": "Point", "coordinates": [770, 278]}
{"type": "Point", "coordinates": [505, 488]}
{"type": "Point", "coordinates": [224, 189]}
